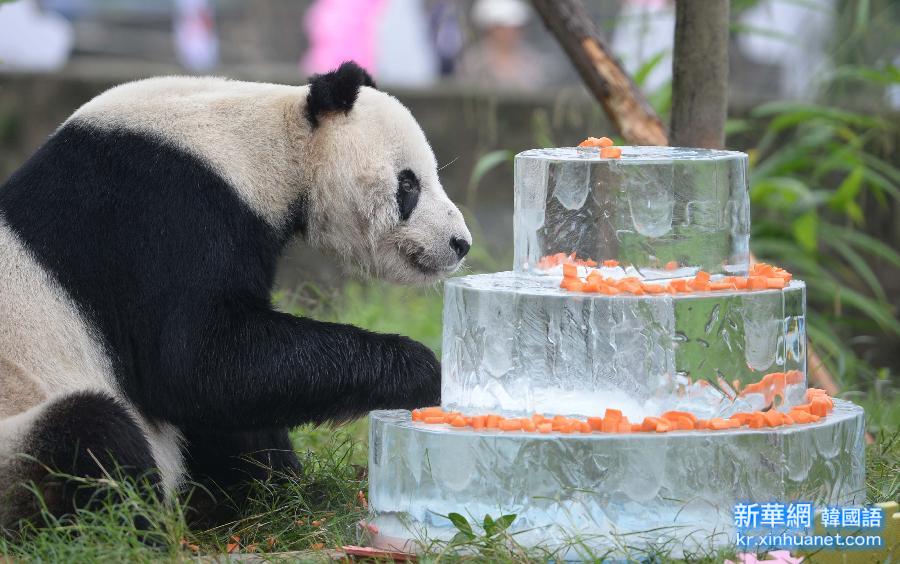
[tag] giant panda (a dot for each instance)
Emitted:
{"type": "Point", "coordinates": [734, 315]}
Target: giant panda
{"type": "Point", "coordinates": [138, 247]}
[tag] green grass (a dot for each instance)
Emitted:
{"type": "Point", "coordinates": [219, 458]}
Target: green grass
{"type": "Point", "coordinates": [321, 506]}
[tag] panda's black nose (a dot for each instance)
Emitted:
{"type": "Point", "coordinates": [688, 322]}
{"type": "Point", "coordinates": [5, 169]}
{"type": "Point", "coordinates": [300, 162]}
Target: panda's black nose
{"type": "Point", "coordinates": [459, 246]}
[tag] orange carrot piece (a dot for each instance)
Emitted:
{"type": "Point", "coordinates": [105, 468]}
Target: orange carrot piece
{"type": "Point", "coordinates": [610, 152]}
{"type": "Point", "coordinates": [492, 421]}
{"type": "Point", "coordinates": [636, 427]}
{"type": "Point", "coordinates": [775, 283]}
{"type": "Point", "coordinates": [611, 263]}
{"type": "Point", "coordinates": [671, 265]}
{"type": "Point", "coordinates": [572, 284]}
{"type": "Point", "coordinates": [687, 414]}
{"type": "Point", "coordinates": [458, 421]}
{"type": "Point", "coordinates": [773, 418]}
{"type": "Point", "coordinates": [434, 419]}
{"type": "Point", "coordinates": [434, 410]}
{"type": "Point", "coordinates": [570, 270]}
{"type": "Point", "coordinates": [649, 423]}
{"type": "Point", "coordinates": [613, 413]}
{"type": "Point", "coordinates": [585, 427]}
{"type": "Point", "coordinates": [757, 283]}
{"type": "Point", "coordinates": [510, 425]}
{"type": "Point", "coordinates": [478, 422]}
{"type": "Point", "coordinates": [528, 425]}
{"type": "Point", "coordinates": [819, 406]}
{"type": "Point", "coordinates": [609, 425]}
{"type": "Point", "coordinates": [605, 142]}
{"type": "Point", "coordinates": [596, 423]}
{"type": "Point", "coordinates": [624, 426]}
{"type": "Point", "coordinates": [719, 286]}
{"type": "Point", "coordinates": [545, 427]}
{"type": "Point", "coordinates": [590, 142]}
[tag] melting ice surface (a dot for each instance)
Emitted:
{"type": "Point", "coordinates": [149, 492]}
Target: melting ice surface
{"type": "Point", "coordinates": [655, 206]}
{"type": "Point", "coordinates": [679, 488]}
{"type": "Point", "coordinates": [518, 344]}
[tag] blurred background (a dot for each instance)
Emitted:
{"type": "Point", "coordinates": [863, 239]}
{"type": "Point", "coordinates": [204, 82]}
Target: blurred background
{"type": "Point", "coordinates": [814, 99]}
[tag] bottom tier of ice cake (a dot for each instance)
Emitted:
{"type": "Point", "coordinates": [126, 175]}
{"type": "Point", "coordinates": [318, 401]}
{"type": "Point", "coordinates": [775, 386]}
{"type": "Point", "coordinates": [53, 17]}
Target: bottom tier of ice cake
{"type": "Point", "coordinates": [606, 491]}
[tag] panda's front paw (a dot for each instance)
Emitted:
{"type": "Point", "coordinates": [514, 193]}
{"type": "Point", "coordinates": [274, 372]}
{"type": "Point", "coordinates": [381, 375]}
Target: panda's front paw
{"type": "Point", "coordinates": [418, 376]}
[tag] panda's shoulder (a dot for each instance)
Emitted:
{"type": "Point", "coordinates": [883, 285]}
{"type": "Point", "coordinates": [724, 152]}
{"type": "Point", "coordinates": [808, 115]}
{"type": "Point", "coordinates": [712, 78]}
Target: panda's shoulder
{"type": "Point", "coordinates": [155, 94]}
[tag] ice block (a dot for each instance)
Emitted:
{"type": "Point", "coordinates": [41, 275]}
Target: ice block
{"type": "Point", "coordinates": [516, 343]}
{"type": "Point", "coordinates": [666, 211]}
{"type": "Point", "coordinates": [607, 490]}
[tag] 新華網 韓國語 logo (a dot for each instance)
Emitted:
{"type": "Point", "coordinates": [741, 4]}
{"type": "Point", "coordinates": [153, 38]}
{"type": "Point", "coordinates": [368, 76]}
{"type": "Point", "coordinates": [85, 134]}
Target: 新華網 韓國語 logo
{"type": "Point", "coordinates": [786, 525]}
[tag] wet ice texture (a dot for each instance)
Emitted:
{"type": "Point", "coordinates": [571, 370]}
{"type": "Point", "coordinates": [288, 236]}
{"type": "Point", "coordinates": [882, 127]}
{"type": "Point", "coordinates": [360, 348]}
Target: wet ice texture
{"type": "Point", "coordinates": [684, 483]}
{"type": "Point", "coordinates": [517, 343]}
{"type": "Point", "coordinates": [653, 206]}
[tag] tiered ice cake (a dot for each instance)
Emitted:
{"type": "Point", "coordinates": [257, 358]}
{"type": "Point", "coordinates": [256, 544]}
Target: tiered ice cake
{"type": "Point", "coordinates": [630, 381]}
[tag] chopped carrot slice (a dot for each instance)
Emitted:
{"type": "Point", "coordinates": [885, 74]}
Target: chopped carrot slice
{"type": "Point", "coordinates": [624, 426]}
{"type": "Point", "coordinates": [671, 265]}
{"type": "Point", "coordinates": [585, 427]}
{"type": "Point", "coordinates": [545, 427]}
{"type": "Point", "coordinates": [605, 142]}
{"type": "Point", "coordinates": [528, 425]}
{"type": "Point", "coordinates": [610, 152]}
{"type": "Point", "coordinates": [757, 283]}
{"type": "Point", "coordinates": [478, 422]}
{"type": "Point", "coordinates": [570, 271]}
{"type": "Point", "coordinates": [615, 414]}
{"type": "Point", "coordinates": [458, 422]}
{"type": "Point", "coordinates": [492, 422]}
{"type": "Point", "coordinates": [610, 425]}
{"type": "Point", "coordinates": [650, 423]}
{"type": "Point", "coordinates": [434, 419]}
{"type": "Point", "coordinates": [611, 263]}
{"type": "Point", "coordinates": [510, 425]}
{"type": "Point", "coordinates": [596, 423]}
{"type": "Point", "coordinates": [572, 284]}
{"type": "Point", "coordinates": [775, 283]}
{"type": "Point", "coordinates": [773, 418]}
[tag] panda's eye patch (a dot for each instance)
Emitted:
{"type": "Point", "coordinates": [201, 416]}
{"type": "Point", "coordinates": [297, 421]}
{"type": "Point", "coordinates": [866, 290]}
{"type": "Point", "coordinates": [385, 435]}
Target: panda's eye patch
{"type": "Point", "coordinates": [407, 193]}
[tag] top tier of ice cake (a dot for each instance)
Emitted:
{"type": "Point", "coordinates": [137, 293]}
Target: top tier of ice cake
{"type": "Point", "coordinates": [665, 211]}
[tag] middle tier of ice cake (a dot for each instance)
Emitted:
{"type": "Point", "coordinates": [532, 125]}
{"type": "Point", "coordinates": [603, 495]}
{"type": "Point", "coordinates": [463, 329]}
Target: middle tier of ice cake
{"type": "Point", "coordinates": [516, 343]}
{"type": "Point", "coordinates": [666, 211]}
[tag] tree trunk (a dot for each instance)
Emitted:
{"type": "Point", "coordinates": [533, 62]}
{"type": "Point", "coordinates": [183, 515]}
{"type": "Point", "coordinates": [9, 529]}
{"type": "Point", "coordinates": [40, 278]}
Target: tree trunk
{"type": "Point", "coordinates": [700, 74]}
{"type": "Point", "coordinates": [626, 107]}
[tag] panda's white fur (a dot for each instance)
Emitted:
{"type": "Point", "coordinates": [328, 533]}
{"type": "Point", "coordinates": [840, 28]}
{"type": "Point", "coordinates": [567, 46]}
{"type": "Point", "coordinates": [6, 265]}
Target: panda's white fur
{"type": "Point", "coordinates": [255, 136]}
{"type": "Point", "coordinates": [47, 350]}
{"type": "Point", "coordinates": [342, 168]}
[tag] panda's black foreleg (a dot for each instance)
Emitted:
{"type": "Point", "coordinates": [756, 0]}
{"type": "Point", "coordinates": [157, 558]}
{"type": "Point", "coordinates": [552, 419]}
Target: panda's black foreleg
{"type": "Point", "coordinates": [80, 436]}
{"type": "Point", "coordinates": [226, 464]}
{"type": "Point", "coordinates": [243, 366]}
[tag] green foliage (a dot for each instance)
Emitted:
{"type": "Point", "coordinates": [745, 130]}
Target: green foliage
{"type": "Point", "coordinates": [819, 176]}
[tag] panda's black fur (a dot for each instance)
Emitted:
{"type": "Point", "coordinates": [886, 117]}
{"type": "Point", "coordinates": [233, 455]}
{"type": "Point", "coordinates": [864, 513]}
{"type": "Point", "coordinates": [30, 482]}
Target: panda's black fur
{"type": "Point", "coordinates": [177, 284]}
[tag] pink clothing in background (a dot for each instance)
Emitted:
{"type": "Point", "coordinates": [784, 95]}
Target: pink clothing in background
{"type": "Point", "coordinates": [341, 30]}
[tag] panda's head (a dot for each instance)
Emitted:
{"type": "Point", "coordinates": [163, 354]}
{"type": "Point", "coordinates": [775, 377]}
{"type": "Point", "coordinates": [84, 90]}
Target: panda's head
{"type": "Point", "coordinates": [375, 199]}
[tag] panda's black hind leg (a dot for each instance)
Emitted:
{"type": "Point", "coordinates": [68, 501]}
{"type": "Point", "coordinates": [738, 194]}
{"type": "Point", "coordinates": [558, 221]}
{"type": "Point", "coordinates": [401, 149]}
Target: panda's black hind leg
{"type": "Point", "coordinates": [225, 465]}
{"type": "Point", "coordinates": [83, 435]}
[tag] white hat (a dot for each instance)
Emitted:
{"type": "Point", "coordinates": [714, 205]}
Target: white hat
{"type": "Point", "coordinates": [505, 13]}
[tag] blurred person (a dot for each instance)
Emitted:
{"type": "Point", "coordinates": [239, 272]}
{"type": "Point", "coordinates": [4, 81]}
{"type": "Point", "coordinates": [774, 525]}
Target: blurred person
{"type": "Point", "coordinates": [447, 35]}
{"type": "Point", "coordinates": [341, 30]}
{"type": "Point", "coordinates": [31, 39]}
{"type": "Point", "coordinates": [404, 54]}
{"type": "Point", "coordinates": [792, 36]}
{"type": "Point", "coordinates": [196, 43]}
{"type": "Point", "coordinates": [501, 57]}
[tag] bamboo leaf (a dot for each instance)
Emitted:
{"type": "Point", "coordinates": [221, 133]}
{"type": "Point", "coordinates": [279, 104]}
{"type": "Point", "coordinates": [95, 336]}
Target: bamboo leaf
{"type": "Point", "coordinates": [805, 230]}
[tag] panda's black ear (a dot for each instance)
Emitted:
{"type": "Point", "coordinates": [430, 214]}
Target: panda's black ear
{"type": "Point", "coordinates": [335, 91]}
